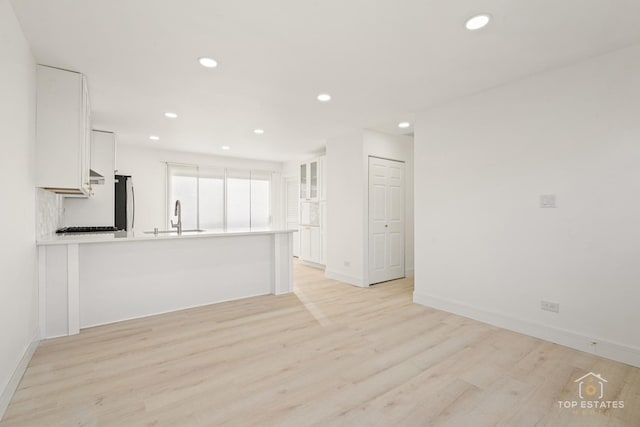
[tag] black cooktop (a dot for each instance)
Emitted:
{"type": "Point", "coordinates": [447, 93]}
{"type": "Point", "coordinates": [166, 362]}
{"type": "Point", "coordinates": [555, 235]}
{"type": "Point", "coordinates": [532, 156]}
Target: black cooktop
{"type": "Point", "coordinates": [108, 228]}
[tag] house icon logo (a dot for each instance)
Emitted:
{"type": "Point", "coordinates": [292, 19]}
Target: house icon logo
{"type": "Point", "coordinates": [591, 386]}
{"type": "Point", "coordinates": [591, 402]}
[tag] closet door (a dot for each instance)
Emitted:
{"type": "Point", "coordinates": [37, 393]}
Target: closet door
{"type": "Point", "coordinates": [386, 220]}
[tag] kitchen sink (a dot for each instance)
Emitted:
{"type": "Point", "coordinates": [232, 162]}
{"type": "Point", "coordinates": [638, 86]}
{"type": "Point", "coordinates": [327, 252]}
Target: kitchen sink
{"type": "Point", "coordinates": [174, 231]}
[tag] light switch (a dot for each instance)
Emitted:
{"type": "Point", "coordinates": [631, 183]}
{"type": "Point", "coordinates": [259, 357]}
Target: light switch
{"type": "Point", "coordinates": [548, 201]}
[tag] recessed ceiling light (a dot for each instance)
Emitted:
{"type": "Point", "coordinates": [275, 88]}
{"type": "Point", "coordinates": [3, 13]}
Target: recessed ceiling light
{"type": "Point", "coordinates": [404, 125]}
{"type": "Point", "coordinates": [258, 131]}
{"type": "Point", "coordinates": [154, 138]}
{"type": "Point", "coordinates": [324, 97]}
{"type": "Point", "coordinates": [226, 147]}
{"type": "Point", "coordinates": [478, 21]}
{"type": "Point", "coordinates": [171, 115]}
{"type": "Point", "coordinates": [208, 62]}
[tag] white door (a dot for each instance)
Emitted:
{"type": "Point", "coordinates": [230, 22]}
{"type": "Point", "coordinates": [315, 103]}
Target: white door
{"type": "Point", "coordinates": [386, 220]}
{"type": "Point", "coordinates": [292, 212]}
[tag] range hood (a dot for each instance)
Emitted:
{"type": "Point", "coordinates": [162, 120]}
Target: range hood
{"type": "Point", "coordinates": [95, 177]}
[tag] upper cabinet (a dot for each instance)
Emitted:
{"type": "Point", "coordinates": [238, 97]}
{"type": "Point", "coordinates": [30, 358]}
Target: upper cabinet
{"type": "Point", "coordinates": [304, 190]}
{"type": "Point", "coordinates": [312, 180]}
{"type": "Point", "coordinates": [63, 132]}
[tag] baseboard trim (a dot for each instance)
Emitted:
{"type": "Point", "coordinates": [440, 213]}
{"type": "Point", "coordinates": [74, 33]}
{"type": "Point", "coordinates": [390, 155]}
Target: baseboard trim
{"type": "Point", "coordinates": [607, 349]}
{"type": "Point", "coordinates": [14, 381]}
{"type": "Point", "coordinates": [313, 264]}
{"type": "Point", "coordinates": [344, 278]}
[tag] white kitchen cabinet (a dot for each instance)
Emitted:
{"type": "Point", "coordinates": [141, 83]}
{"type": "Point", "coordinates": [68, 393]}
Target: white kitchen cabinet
{"type": "Point", "coordinates": [310, 244]}
{"type": "Point", "coordinates": [63, 132]}
{"type": "Point", "coordinates": [312, 211]}
{"type": "Point", "coordinates": [304, 187]}
{"type": "Point", "coordinates": [305, 242]}
{"type": "Point", "coordinates": [312, 180]}
{"type": "Point", "coordinates": [98, 210]}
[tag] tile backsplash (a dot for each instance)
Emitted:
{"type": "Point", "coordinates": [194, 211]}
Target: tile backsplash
{"type": "Point", "coordinates": [49, 210]}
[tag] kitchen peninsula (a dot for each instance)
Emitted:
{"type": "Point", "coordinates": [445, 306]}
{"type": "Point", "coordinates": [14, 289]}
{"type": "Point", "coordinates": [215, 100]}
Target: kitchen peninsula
{"type": "Point", "coordinates": [94, 279]}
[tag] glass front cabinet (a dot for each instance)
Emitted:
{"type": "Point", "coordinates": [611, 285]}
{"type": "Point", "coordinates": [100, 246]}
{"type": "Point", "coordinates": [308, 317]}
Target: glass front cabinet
{"type": "Point", "coordinates": [312, 180]}
{"type": "Point", "coordinates": [303, 181]}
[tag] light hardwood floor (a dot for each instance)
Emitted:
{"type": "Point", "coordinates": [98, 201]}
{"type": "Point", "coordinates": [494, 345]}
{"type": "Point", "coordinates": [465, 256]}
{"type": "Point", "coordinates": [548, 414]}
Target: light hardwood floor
{"type": "Point", "coordinates": [328, 355]}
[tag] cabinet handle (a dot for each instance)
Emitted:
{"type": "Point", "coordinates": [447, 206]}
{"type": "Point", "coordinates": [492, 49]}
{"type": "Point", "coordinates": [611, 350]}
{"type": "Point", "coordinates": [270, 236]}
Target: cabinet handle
{"type": "Point", "coordinates": [386, 225]}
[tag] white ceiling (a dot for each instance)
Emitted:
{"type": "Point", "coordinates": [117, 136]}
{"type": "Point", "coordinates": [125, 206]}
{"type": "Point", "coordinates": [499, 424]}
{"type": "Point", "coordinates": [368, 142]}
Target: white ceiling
{"type": "Point", "coordinates": [381, 60]}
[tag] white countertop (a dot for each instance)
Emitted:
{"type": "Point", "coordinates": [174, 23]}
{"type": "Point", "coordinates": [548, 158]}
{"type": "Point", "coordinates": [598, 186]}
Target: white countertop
{"type": "Point", "coordinates": [137, 236]}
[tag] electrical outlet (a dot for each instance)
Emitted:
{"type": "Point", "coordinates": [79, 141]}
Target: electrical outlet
{"type": "Point", "coordinates": [550, 306]}
{"type": "Point", "coordinates": [347, 264]}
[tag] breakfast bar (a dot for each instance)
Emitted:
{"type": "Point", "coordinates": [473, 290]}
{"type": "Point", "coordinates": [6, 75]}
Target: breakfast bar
{"type": "Point", "coordinates": [95, 279]}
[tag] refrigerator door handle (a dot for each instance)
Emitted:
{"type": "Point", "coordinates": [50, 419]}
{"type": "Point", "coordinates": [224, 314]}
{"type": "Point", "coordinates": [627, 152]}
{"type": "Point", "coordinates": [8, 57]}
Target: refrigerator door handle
{"type": "Point", "coordinates": [133, 208]}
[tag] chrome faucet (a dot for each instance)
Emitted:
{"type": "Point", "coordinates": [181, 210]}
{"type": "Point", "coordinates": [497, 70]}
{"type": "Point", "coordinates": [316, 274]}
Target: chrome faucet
{"type": "Point", "coordinates": [178, 212]}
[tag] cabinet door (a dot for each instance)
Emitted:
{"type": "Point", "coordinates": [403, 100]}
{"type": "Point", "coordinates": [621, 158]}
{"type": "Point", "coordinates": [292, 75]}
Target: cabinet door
{"type": "Point", "coordinates": [316, 250]}
{"type": "Point", "coordinates": [62, 121]}
{"type": "Point", "coordinates": [313, 180]}
{"type": "Point", "coordinates": [311, 244]}
{"type": "Point", "coordinates": [303, 182]}
{"type": "Point", "coordinates": [305, 243]}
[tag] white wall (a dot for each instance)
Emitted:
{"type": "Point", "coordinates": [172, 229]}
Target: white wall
{"type": "Point", "coordinates": [348, 204]}
{"type": "Point", "coordinates": [18, 288]}
{"type": "Point", "coordinates": [484, 247]}
{"type": "Point", "coordinates": [148, 169]}
{"type": "Point", "coordinates": [345, 198]}
{"type": "Point", "coordinates": [291, 168]}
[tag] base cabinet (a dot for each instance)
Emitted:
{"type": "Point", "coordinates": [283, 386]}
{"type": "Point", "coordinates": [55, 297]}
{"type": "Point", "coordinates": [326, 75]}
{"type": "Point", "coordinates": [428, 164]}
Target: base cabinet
{"type": "Point", "coordinates": [311, 244]}
{"type": "Point", "coordinates": [80, 288]}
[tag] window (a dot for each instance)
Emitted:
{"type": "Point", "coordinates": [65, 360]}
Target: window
{"type": "Point", "coordinates": [238, 199]}
{"type": "Point", "coordinates": [219, 199]}
{"type": "Point", "coordinates": [260, 200]}
{"type": "Point", "coordinates": [182, 183]}
{"type": "Point", "coordinates": [211, 199]}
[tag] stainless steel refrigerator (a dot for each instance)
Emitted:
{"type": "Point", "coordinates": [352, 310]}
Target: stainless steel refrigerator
{"type": "Point", "coordinates": [125, 203]}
